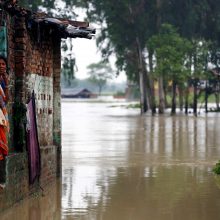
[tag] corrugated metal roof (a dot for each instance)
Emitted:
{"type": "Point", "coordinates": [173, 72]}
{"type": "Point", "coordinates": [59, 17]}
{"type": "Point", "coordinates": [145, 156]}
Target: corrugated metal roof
{"type": "Point", "coordinates": [63, 27]}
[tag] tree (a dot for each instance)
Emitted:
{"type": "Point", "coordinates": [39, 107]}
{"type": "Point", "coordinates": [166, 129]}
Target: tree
{"type": "Point", "coordinates": [124, 30]}
{"type": "Point", "coordinates": [99, 74]}
{"type": "Point", "coordinates": [170, 52]}
{"type": "Point", "coordinates": [68, 69]}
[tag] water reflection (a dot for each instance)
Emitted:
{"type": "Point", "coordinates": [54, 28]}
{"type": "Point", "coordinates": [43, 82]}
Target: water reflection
{"type": "Point", "coordinates": [122, 166]}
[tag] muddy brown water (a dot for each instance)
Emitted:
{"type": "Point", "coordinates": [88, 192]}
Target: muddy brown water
{"type": "Point", "coordinates": [118, 165]}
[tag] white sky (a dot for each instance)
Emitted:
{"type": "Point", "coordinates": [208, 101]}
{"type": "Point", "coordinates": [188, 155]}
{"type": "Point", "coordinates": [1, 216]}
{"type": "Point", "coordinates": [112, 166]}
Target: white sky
{"type": "Point", "coordinates": [86, 52]}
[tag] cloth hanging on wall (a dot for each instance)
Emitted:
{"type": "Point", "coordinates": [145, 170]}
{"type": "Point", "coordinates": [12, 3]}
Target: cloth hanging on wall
{"type": "Point", "coordinates": [32, 142]}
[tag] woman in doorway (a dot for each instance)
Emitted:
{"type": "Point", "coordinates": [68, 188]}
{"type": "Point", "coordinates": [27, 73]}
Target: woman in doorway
{"type": "Point", "coordinates": [4, 126]}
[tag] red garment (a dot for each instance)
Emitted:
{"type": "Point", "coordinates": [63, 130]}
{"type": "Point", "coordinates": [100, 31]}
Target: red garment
{"type": "Point", "coordinates": [3, 143]}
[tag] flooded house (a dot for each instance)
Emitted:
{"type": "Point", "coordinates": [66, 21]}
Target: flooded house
{"type": "Point", "coordinates": [31, 43]}
{"type": "Point", "coordinates": [77, 93]}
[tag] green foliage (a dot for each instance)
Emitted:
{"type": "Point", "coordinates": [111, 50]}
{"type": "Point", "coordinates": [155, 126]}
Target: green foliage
{"type": "Point", "coordinates": [120, 93]}
{"type": "Point", "coordinates": [171, 52]}
{"type": "Point", "coordinates": [122, 23]}
{"type": "Point", "coordinates": [216, 169]}
{"type": "Point", "coordinates": [136, 105]}
{"type": "Point", "coordinates": [200, 57]}
{"type": "Point", "coordinates": [68, 69]}
{"type": "Point", "coordinates": [68, 62]}
{"type": "Point", "coordinates": [127, 20]}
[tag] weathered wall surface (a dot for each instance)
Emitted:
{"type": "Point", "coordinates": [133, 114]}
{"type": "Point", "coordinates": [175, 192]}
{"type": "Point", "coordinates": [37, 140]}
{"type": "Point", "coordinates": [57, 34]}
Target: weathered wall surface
{"type": "Point", "coordinates": [34, 63]}
{"type": "Point", "coordinates": [48, 203]}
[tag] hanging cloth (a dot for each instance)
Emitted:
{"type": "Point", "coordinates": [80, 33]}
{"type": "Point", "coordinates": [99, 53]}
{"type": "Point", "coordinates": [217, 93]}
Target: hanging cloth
{"type": "Point", "coordinates": [32, 142]}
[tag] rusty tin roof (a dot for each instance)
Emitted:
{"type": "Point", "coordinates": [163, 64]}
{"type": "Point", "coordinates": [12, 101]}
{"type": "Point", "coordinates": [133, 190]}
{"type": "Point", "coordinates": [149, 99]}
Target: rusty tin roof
{"type": "Point", "coordinates": [63, 27]}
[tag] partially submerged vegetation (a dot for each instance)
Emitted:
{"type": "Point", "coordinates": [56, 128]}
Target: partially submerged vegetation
{"type": "Point", "coordinates": [128, 106]}
{"type": "Point", "coordinates": [216, 169]}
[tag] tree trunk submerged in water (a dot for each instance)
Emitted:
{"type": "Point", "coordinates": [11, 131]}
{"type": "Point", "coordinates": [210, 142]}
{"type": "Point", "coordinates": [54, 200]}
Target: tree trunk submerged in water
{"type": "Point", "coordinates": [217, 100]}
{"type": "Point", "coordinates": [143, 93]}
{"type": "Point", "coordinates": [217, 96]}
{"type": "Point", "coordinates": [160, 79]}
{"type": "Point", "coordinates": [195, 91]}
{"type": "Point", "coordinates": [151, 81]}
{"type": "Point", "coordinates": [180, 98]}
{"type": "Point", "coordinates": [186, 100]}
{"type": "Point", "coordinates": [173, 109]}
{"type": "Point", "coordinates": [161, 95]}
{"type": "Point", "coordinates": [142, 79]}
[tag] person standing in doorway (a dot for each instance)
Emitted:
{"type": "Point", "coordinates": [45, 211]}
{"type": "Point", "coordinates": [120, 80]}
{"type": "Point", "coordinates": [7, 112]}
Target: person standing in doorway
{"type": "Point", "coordinates": [4, 125]}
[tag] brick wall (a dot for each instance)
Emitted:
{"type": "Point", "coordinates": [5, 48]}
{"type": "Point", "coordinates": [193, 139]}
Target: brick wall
{"type": "Point", "coordinates": [34, 62]}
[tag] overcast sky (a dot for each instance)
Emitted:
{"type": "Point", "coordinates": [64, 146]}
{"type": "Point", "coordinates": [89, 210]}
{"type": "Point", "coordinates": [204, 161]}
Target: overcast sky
{"type": "Point", "coordinates": [86, 53]}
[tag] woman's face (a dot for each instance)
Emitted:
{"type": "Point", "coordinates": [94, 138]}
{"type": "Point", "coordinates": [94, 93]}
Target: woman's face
{"type": "Point", "coordinates": [2, 66]}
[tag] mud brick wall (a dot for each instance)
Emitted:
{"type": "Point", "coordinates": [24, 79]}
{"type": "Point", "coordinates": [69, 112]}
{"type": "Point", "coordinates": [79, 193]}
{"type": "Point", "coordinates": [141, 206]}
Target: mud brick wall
{"type": "Point", "coordinates": [34, 63]}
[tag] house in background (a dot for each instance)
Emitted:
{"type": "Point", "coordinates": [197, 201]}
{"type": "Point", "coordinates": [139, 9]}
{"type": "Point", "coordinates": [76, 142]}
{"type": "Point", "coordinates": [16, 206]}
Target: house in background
{"type": "Point", "coordinates": [77, 93]}
{"type": "Point", "coordinates": [32, 44]}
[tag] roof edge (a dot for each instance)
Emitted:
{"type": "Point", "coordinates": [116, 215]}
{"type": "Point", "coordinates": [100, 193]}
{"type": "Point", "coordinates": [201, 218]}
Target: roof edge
{"type": "Point", "coordinates": [64, 27]}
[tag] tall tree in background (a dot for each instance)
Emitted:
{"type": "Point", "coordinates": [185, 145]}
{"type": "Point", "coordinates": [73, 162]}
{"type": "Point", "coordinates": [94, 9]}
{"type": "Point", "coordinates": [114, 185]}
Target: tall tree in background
{"type": "Point", "coordinates": [124, 32]}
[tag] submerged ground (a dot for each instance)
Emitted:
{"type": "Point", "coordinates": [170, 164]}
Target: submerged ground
{"type": "Point", "coordinates": [118, 165]}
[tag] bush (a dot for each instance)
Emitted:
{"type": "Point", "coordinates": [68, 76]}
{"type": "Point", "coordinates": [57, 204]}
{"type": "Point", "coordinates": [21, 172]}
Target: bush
{"type": "Point", "coordinates": [119, 93]}
{"type": "Point", "coordinates": [137, 105]}
{"type": "Point", "coordinates": [216, 169]}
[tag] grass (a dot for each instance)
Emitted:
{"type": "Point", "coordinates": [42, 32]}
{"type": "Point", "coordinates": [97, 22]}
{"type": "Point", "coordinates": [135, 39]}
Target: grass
{"type": "Point", "coordinates": [135, 105]}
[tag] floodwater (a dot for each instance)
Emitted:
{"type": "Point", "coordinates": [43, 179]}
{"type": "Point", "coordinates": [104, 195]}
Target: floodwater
{"type": "Point", "coordinates": [118, 165]}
